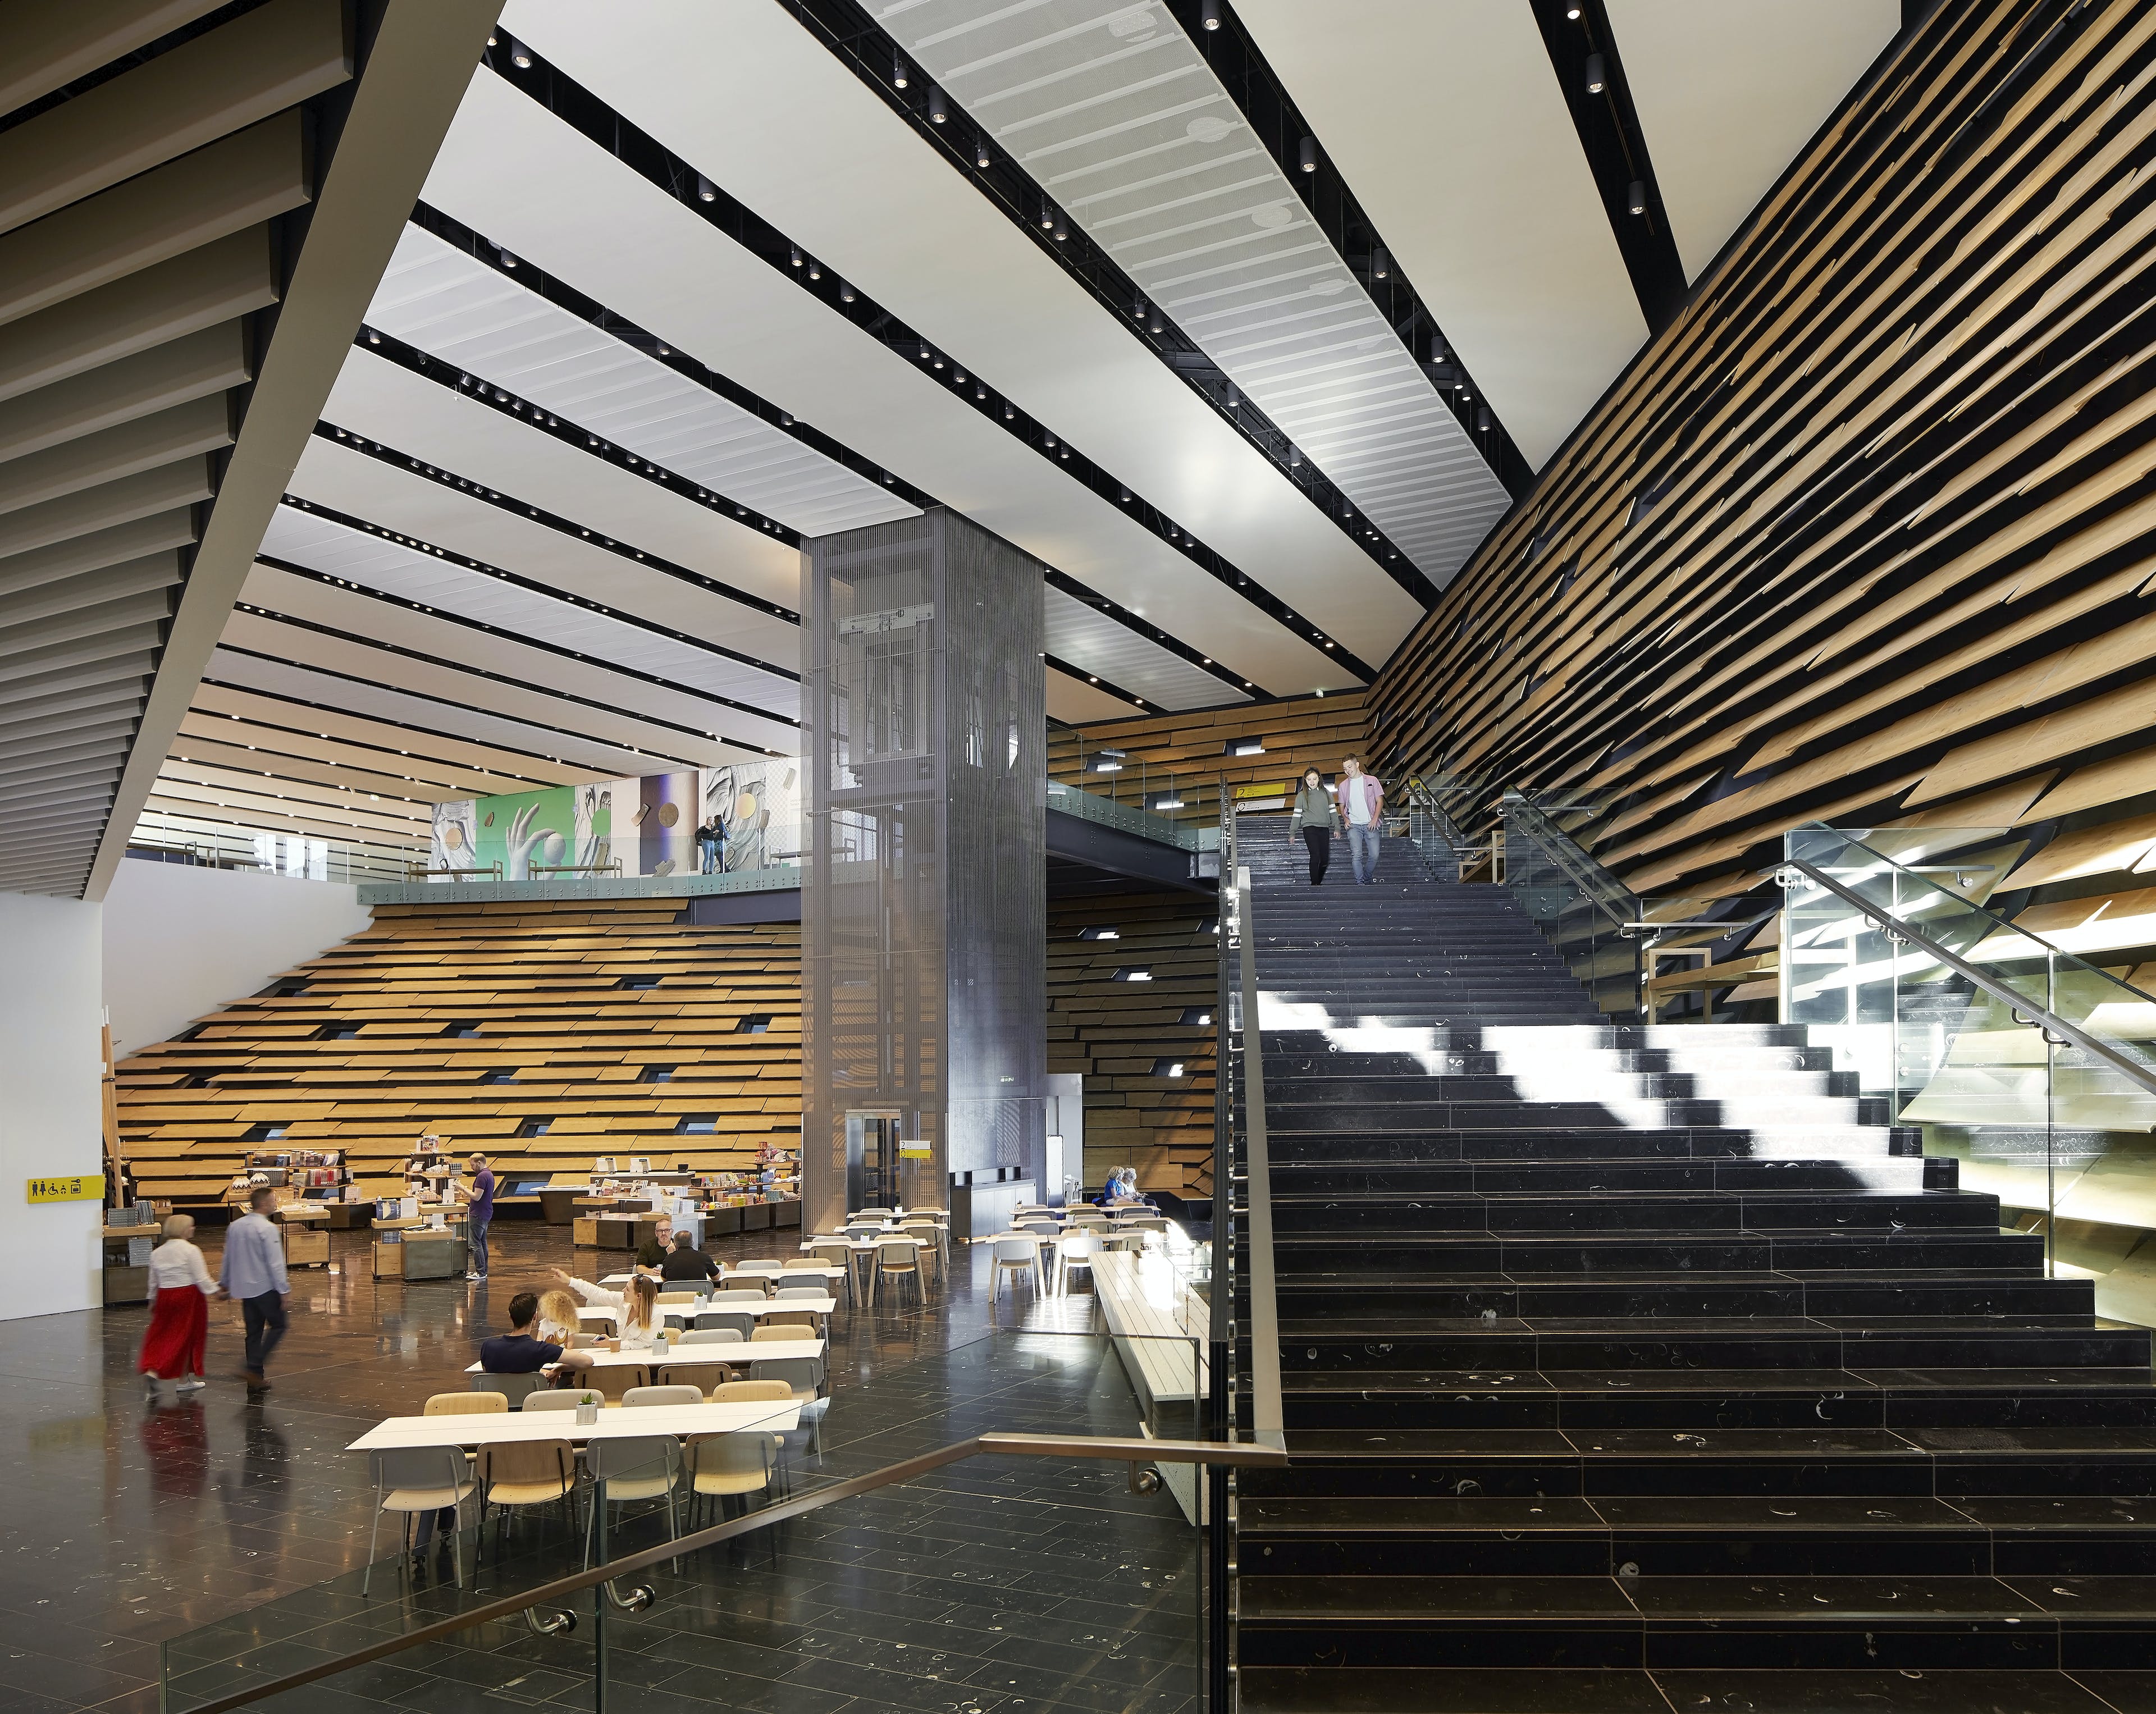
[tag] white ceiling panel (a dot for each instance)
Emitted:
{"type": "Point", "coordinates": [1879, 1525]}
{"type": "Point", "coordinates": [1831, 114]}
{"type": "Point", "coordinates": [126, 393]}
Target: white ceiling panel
{"type": "Point", "coordinates": [601, 701]}
{"type": "Point", "coordinates": [332, 690]}
{"type": "Point", "coordinates": [390, 568]}
{"type": "Point", "coordinates": [1728, 91]}
{"type": "Point", "coordinates": [454, 307]}
{"type": "Point", "coordinates": [511, 170]}
{"type": "Point", "coordinates": [378, 399]}
{"type": "Point", "coordinates": [1113, 109]}
{"type": "Point", "coordinates": [218, 710]}
{"type": "Point", "coordinates": [1086, 637]}
{"type": "Point", "coordinates": [1449, 125]}
{"type": "Point", "coordinates": [334, 475]}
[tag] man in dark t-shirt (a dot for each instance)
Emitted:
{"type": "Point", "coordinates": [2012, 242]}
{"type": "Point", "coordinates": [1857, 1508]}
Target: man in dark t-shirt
{"type": "Point", "coordinates": [479, 1214]}
{"type": "Point", "coordinates": [652, 1252]}
{"type": "Point", "coordinates": [684, 1261]}
{"type": "Point", "coordinates": [516, 1352]}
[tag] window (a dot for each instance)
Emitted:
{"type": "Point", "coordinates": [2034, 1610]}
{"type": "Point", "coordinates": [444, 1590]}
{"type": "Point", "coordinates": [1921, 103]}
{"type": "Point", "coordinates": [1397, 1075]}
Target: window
{"type": "Point", "coordinates": [640, 982]}
{"type": "Point", "coordinates": [498, 1075]}
{"type": "Point", "coordinates": [658, 1074]}
{"type": "Point", "coordinates": [697, 1125]}
{"type": "Point", "coordinates": [759, 1024]}
{"type": "Point", "coordinates": [535, 1127]}
{"type": "Point", "coordinates": [1099, 931]}
{"type": "Point", "coordinates": [1167, 1068]}
{"type": "Point", "coordinates": [337, 1032]}
{"type": "Point", "coordinates": [1133, 973]}
{"type": "Point", "coordinates": [1244, 747]}
{"type": "Point", "coordinates": [467, 1028]}
{"type": "Point", "coordinates": [267, 1132]}
{"type": "Point", "coordinates": [1197, 1016]}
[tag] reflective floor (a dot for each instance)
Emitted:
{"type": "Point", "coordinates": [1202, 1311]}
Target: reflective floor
{"type": "Point", "coordinates": [128, 1523]}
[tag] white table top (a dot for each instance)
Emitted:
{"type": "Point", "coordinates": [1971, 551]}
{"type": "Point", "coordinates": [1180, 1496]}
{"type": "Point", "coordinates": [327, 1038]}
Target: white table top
{"type": "Point", "coordinates": [861, 1243]}
{"type": "Point", "coordinates": [725, 1350]}
{"type": "Point", "coordinates": [750, 1271]}
{"type": "Point", "coordinates": [615, 1423]}
{"type": "Point", "coordinates": [821, 1305]}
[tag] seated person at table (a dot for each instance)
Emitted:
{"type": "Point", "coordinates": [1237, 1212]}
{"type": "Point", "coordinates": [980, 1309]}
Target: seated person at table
{"type": "Point", "coordinates": [651, 1253]}
{"type": "Point", "coordinates": [557, 1317]}
{"type": "Point", "coordinates": [684, 1261]}
{"type": "Point", "coordinates": [516, 1352]}
{"type": "Point", "coordinates": [636, 1313]}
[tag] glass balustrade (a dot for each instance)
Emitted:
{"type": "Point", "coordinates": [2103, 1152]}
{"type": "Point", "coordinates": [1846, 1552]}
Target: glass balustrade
{"type": "Point", "coordinates": [2034, 1068]}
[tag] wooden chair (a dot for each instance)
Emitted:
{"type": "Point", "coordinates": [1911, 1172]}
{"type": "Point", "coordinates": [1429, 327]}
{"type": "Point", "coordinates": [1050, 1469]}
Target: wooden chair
{"type": "Point", "coordinates": [767, 1333]}
{"type": "Point", "coordinates": [699, 1377]}
{"type": "Point", "coordinates": [490, 1402]}
{"type": "Point", "coordinates": [786, 1318]}
{"type": "Point", "coordinates": [611, 1380]}
{"type": "Point", "coordinates": [517, 1475]}
{"type": "Point", "coordinates": [663, 1394]}
{"type": "Point", "coordinates": [899, 1258]}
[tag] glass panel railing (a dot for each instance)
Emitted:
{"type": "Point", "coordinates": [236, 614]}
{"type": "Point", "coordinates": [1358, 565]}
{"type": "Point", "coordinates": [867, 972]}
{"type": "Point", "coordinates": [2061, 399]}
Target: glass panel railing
{"type": "Point", "coordinates": [293, 856]}
{"type": "Point", "coordinates": [1614, 940]}
{"type": "Point", "coordinates": [814, 1544]}
{"type": "Point", "coordinates": [2033, 1068]}
{"type": "Point", "coordinates": [1095, 804]}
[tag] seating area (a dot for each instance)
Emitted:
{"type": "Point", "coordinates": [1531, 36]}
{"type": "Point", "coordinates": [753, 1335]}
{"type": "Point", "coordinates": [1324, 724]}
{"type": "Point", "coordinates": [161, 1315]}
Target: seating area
{"type": "Point", "coordinates": [528, 1030]}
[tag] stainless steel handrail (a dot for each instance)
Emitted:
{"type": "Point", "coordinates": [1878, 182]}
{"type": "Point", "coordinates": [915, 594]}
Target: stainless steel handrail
{"type": "Point", "coordinates": [1265, 1412]}
{"type": "Point", "coordinates": [2016, 1002]}
{"type": "Point", "coordinates": [1582, 870]}
{"type": "Point", "coordinates": [1115, 1448]}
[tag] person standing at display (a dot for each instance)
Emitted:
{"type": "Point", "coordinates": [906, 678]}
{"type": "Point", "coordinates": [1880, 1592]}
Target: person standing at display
{"type": "Point", "coordinates": [254, 1273]}
{"type": "Point", "coordinates": [479, 1215]}
{"type": "Point", "coordinates": [180, 1291]}
{"type": "Point", "coordinates": [1362, 805]}
{"type": "Point", "coordinates": [1315, 816]}
{"type": "Point", "coordinates": [711, 844]}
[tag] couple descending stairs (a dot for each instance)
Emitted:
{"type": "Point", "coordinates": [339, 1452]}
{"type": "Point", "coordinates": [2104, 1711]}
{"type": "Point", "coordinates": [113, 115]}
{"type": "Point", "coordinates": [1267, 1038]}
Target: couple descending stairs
{"type": "Point", "coordinates": [1649, 1370]}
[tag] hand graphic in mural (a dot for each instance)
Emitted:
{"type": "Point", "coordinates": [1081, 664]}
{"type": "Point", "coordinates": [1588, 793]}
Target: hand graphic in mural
{"type": "Point", "coordinates": [524, 845]}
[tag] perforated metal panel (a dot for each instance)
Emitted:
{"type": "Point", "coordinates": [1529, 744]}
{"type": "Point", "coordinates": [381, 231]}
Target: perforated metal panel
{"type": "Point", "coordinates": [924, 980]}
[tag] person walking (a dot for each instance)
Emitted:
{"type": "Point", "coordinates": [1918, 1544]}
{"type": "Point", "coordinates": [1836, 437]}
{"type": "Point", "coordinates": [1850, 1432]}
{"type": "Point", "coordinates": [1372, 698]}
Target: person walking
{"type": "Point", "coordinates": [1362, 805]}
{"type": "Point", "coordinates": [254, 1273]}
{"type": "Point", "coordinates": [180, 1291]}
{"type": "Point", "coordinates": [479, 1214]}
{"type": "Point", "coordinates": [1315, 816]}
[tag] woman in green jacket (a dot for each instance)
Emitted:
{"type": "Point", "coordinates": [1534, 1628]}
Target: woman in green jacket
{"type": "Point", "coordinates": [1315, 816]}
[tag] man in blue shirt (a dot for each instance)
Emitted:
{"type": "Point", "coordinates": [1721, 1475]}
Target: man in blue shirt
{"type": "Point", "coordinates": [254, 1273]}
{"type": "Point", "coordinates": [479, 1215]}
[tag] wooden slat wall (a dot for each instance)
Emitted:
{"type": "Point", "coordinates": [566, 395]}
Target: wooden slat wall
{"type": "Point", "coordinates": [543, 983]}
{"type": "Point", "coordinates": [1869, 533]}
{"type": "Point", "coordinates": [1114, 1032]}
{"type": "Point", "coordinates": [1307, 732]}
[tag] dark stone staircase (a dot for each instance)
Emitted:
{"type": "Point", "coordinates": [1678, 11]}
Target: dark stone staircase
{"type": "Point", "coordinates": [1630, 1369]}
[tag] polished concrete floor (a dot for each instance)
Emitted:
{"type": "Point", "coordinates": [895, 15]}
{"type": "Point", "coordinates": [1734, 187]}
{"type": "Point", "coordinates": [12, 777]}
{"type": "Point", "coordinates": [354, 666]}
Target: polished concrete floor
{"type": "Point", "coordinates": [131, 1523]}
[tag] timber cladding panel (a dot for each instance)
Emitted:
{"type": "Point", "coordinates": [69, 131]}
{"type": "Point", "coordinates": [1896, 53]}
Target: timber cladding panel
{"type": "Point", "coordinates": [1191, 750]}
{"type": "Point", "coordinates": [1868, 534]}
{"type": "Point", "coordinates": [1128, 1037]}
{"type": "Point", "coordinates": [398, 1030]}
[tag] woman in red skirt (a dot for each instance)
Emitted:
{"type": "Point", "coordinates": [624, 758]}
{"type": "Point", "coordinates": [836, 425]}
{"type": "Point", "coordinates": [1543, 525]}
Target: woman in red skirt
{"type": "Point", "coordinates": [180, 1291]}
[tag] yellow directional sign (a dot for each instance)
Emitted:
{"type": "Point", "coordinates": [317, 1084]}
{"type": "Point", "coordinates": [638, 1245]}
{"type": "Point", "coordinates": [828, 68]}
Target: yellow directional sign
{"type": "Point", "coordinates": [83, 1187]}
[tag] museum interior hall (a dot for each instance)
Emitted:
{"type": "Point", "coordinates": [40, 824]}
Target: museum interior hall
{"type": "Point", "coordinates": [1078, 856]}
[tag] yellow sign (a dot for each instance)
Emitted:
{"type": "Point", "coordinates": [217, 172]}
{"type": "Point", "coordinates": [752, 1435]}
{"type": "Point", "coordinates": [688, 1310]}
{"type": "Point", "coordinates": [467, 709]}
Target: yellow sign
{"type": "Point", "coordinates": [915, 1151]}
{"type": "Point", "coordinates": [87, 1186]}
{"type": "Point", "coordinates": [1271, 791]}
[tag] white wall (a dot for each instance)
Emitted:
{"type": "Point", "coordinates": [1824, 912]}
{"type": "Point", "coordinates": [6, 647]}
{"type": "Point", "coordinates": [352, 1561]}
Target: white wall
{"type": "Point", "coordinates": [180, 942]}
{"type": "Point", "coordinates": [51, 1101]}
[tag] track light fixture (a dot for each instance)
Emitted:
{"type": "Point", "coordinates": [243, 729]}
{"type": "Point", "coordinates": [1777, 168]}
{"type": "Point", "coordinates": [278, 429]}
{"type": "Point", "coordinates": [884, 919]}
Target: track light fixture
{"type": "Point", "coordinates": [520, 56]}
{"type": "Point", "coordinates": [1635, 198]}
{"type": "Point", "coordinates": [1138, 308]}
{"type": "Point", "coordinates": [1208, 14]}
{"type": "Point", "coordinates": [845, 293]}
{"type": "Point", "coordinates": [981, 151]}
{"type": "Point", "coordinates": [1153, 322]}
{"type": "Point", "coordinates": [1309, 155]}
{"type": "Point", "coordinates": [815, 270]}
{"type": "Point", "coordinates": [898, 73]}
{"type": "Point", "coordinates": [1295, 458]}
{"type": "Point", "coordinates": [507, 260]}
{"type": "Point", "coordinates": [707, 192]}
{"type": "Point", "coordinates": [924, 351]}
{"type": "Point", "coordinates": [1381, 264]}
{"type": "Point", "coordinates": [938, 112]}
{"type": "Point", "coordinates": [795, 255]}
{"type": "Point", "coordinates": [1234, 398]}
{"type": "Point", "coordinates": [1010, 411]}
{"type": "Point", "coordinates": [1438, 353]}
{"type": "Point", "coordinates": [1482, 419]}
{"type": "Point", "coordinates": [1062, 227]}
{"type": "Point", "coordinates": [1598, 79]}
{"type": "Point", "coordinates": [1047, 215]}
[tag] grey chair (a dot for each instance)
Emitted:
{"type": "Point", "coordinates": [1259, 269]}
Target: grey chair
{"type": "Point", "coordinates": [804, 1375]}
{"type": "Point", "coordinates": [739, 1322]}
{"type": "Point", "coordinates": [555, 1398]}
{"type": "Point", "coordinates": [516, 1389]}
{"type": "Point", "coordinates": [711, 1336]}
{"type": "Point", "coordinates": [627, 1469]}
{"type": "Point", "coordinates": [413, 1479]}
{"type": "Point", "coordinates": [662, 1394]}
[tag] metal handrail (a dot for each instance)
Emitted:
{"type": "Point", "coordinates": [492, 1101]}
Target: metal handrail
{"type": "Point", "coordinates": [1134, 1449]}
{"type": "Point", "coordinates": [2015, 1002]}
{"type": "Point", "coordinates": [1265, 1412]}
{"type": "Point", "coordinates": [1582, 870]}
{"type": "Point", "coordinates": [1448, 829]}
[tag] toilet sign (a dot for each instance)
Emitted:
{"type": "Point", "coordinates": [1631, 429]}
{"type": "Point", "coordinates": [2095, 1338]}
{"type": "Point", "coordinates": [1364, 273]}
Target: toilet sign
{"type": "Point", "coordinates": [86, 1186]}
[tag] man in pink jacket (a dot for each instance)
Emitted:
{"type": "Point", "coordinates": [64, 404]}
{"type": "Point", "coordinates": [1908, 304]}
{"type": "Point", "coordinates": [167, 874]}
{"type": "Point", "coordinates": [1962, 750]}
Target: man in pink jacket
{"type": "Point", "coordinates": [1362, 800]}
